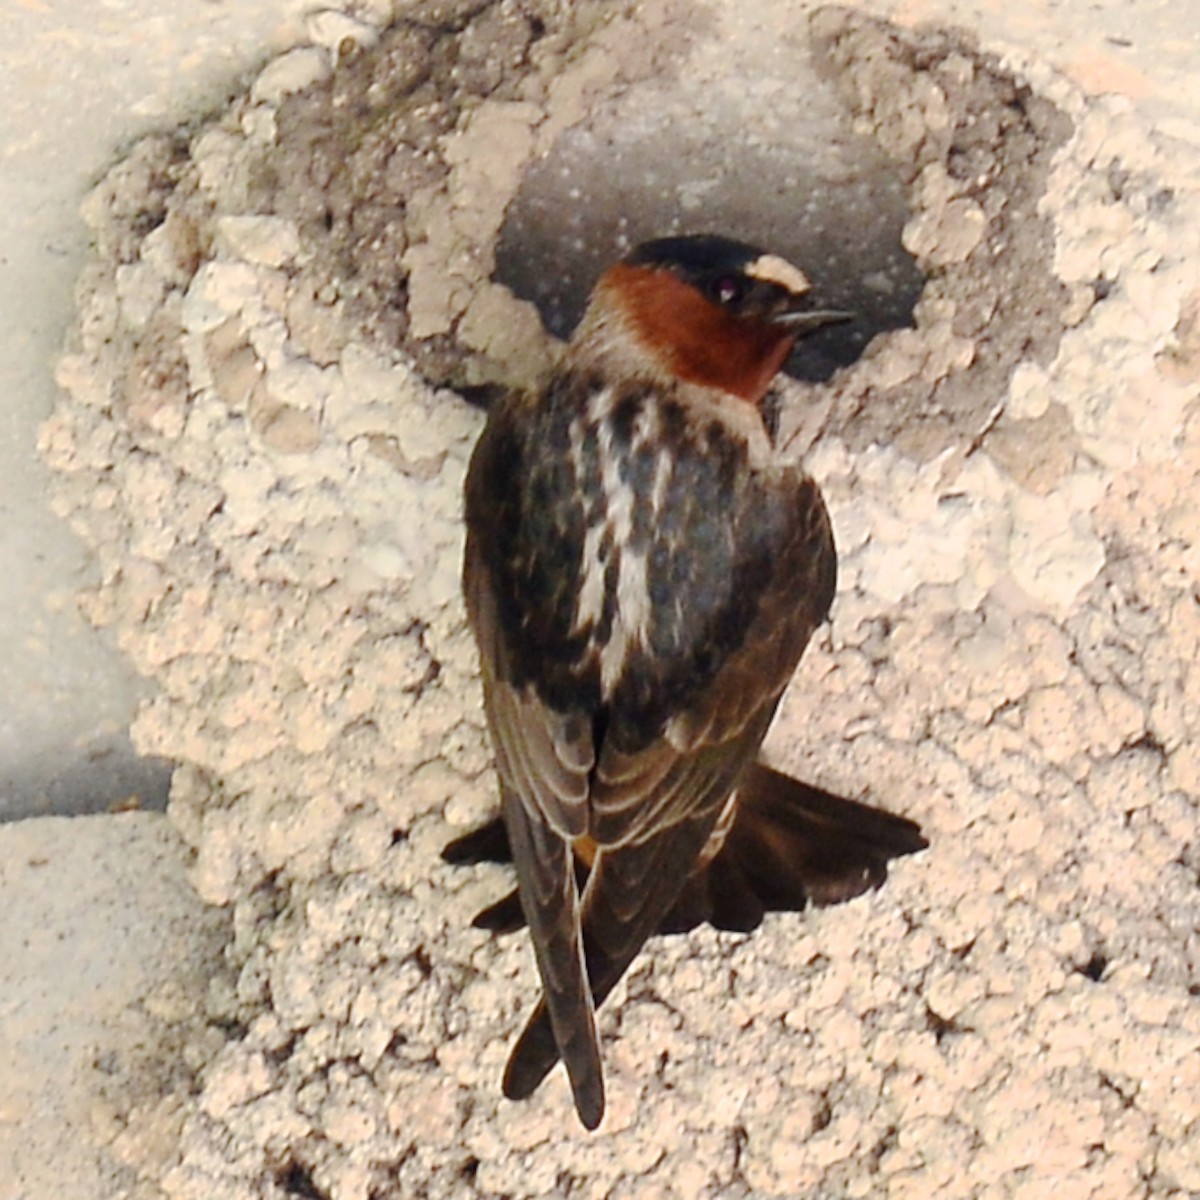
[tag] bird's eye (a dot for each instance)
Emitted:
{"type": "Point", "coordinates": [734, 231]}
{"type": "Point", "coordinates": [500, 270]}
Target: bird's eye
{"type": "Point", "coordinates": [727, 289]}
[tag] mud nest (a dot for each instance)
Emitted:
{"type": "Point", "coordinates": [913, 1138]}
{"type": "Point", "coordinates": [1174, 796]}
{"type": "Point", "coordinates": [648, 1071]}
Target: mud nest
{"type": "Point", "coordinates": [257, 442]}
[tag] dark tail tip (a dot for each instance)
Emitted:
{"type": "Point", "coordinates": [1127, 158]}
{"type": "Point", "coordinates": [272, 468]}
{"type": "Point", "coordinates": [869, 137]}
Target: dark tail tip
{"type": "Point", "coordinates": [505, 916]}
{"type": "Point", "coordinates": [488, 843]}
{"type": "Point", "coordinates": [589, 1104]}
{"type": "Point", "coordinates": [531, 1059]}
{"type": "Point", "coordinates": [534, 1057]}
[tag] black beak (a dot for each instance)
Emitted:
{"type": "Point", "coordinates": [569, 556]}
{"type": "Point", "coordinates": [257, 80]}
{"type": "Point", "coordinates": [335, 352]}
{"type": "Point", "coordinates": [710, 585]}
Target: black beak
{"type": "Point", "coordinates": [800, 315]}
{"type": "Point", "coordinates": [806, 320]}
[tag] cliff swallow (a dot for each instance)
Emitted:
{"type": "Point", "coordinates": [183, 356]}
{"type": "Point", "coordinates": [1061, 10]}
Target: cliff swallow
{"type": "Point", "coordinates": [642, 573]}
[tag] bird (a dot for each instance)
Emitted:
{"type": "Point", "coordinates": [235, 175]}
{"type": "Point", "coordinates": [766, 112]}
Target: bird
{"type": "Point", "coordinates": [643, 568]}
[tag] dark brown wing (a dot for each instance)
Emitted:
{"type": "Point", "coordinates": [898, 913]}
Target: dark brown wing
{"type": "Point", "coordinates": [632, 887]}
{"type": "Point", "coordinates": [543, 759]}
{"type": "Point", "coordinates": [654, 806]}
{"type": "Point", "coordinates": [639, 787]}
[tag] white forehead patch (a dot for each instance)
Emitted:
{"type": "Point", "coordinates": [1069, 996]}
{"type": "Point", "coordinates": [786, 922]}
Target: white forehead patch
{"type": "Point", "coordinates": [770, 268]}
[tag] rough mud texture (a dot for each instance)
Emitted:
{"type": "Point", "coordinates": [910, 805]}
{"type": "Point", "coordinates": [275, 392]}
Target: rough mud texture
{"type": "Point", "coordinates": [976, 145]}
{"type": "Point", "coordinates": [273, 493]}
{"type": "Point", "coordinates": [396, 161]}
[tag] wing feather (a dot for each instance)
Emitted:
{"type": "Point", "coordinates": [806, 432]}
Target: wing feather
{"type": "Point", "coordinates": [634, 886]}
{"type": "Point", "coordinates": [543, 756]}
{"type": "Point", "coordinates": [550, 902]}
{"type": "Point", "coordinates": [543, 760]}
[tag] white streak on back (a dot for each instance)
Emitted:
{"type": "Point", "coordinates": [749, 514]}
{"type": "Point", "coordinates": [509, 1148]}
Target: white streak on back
{"type": "Point", "coordinates": [589, 603]}
{"type": "Point", "coordinates": [631, 622]}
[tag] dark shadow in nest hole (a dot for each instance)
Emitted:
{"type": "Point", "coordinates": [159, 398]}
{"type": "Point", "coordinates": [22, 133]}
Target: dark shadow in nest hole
{"type": "Point", "coordinates": [779, 168]}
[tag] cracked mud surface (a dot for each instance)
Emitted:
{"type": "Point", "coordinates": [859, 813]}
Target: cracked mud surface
{"type": "Point", "coordinates": [251, 442]}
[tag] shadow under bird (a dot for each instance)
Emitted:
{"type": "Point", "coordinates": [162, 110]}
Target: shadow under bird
{"type": "Point", "coordinates": [642, 573]}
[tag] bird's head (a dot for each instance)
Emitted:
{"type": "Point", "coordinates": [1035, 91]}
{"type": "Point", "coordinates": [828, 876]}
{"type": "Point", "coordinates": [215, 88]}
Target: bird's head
{"type": "Point", "coordinates": [706, 310]}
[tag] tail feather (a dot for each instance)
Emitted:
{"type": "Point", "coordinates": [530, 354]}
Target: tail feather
{"type": "Point", "coordinates": [789, 845]}
{"type": "Point", "coordinates": [797, 844]}
{"type": "Point", "coordinates": [488, 843]}
{"type": "Point", "coordinates": [549, 899]}
{"type": "Point", "coordinates": [629, 891]}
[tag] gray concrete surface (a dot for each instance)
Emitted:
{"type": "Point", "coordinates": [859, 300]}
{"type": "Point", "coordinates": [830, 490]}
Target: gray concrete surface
{"type": "Point", "coordinates": [78, 81]}
{"type": "Point", "coordinates": [103, 949]}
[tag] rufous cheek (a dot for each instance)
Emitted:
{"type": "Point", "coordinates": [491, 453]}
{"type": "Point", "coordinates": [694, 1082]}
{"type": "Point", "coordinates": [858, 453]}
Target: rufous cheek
{"type": "Point", "coordinates": [695, 340]}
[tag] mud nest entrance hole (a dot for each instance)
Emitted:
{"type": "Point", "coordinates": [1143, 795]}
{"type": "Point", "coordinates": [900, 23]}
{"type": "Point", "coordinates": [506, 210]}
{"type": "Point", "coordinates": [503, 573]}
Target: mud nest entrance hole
{"type": "Point", "coordinates": [771, 161]}
{"type": "Point", "coordinates": [879, 159]}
